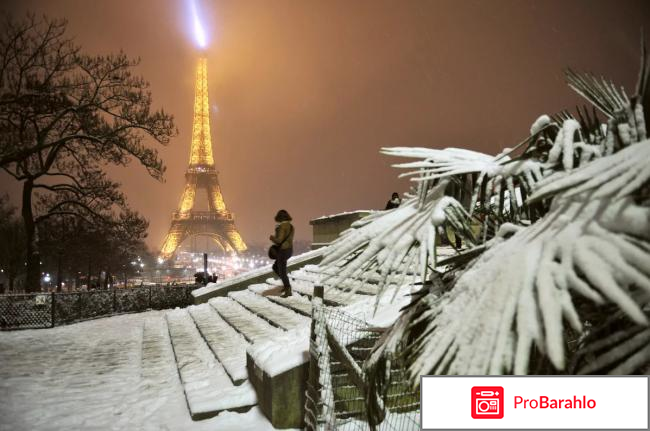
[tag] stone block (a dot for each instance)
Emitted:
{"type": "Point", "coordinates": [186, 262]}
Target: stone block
{"type": "Point", "coordinates": [281, 398]}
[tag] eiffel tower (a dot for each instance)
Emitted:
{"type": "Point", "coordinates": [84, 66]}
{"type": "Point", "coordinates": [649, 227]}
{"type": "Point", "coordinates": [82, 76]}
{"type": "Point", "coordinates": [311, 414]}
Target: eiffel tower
{"type": "Point", "coordinates": [217, 223]}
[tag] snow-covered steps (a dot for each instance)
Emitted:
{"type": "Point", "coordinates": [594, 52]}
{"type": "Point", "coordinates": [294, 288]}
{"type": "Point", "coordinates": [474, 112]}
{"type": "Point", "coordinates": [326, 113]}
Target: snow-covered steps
{"type": "Point", "coordinates": [156, 368]}
{"type": "Point", "coordinates": [208, 388]}
{"type": "Point", "coordinates": [252, 327]}
{"type": "Point", "coordinates": [313, 275]}
{"type": "Point", "coordinates": [297, 303]}
{"type": "Point", "coordinates": [367, 284]}
{"type": "Point", "coordinates": [228, 345]}
{"type": "Point", "coordinates": [332, 296]}
{"type": "Point", "coordinates": [260, 288]}
{"type": "Point", "coordinates": [275, 314]}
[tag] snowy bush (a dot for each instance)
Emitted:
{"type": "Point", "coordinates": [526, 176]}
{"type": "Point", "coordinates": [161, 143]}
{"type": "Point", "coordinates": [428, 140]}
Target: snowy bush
{"type": "Point", "coordinates": [557, 280]}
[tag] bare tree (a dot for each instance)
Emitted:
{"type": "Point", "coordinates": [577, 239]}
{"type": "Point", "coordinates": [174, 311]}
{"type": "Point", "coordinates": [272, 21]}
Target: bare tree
{"type": "Point", "coordinates": [64, 115]}
{"type": "Point", "coordinates": [12, 250]}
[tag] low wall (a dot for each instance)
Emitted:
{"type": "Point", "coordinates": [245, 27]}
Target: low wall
{"type": "Point", "coordinates": [255, 276]}
{"type": "Point", "coordinates": [328, 228]}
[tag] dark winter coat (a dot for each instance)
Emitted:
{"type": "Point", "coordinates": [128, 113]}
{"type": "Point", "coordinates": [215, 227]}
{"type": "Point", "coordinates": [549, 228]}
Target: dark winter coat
{"type": "Point", "coordinates": [393, 203]}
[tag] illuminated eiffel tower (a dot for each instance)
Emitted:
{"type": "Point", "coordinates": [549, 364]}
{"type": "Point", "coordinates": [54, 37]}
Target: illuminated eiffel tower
{"type": "Point", "coordinates": [217, 223]}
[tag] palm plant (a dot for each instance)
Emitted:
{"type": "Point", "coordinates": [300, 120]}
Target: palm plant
{"type": "Point", "coordinates": [562, 282]}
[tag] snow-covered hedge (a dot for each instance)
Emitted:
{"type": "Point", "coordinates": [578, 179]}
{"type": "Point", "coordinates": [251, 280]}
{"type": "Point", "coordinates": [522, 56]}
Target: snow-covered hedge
{"type": "Point", "coordinates": [562, 258]}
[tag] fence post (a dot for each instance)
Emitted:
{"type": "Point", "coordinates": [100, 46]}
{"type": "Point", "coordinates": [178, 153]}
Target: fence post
{"type": "Point", "coordinates": [79, 306]}
{"type": "Point", "coordinates": [312, 398]}
{"type": "Point", "coordinates": [205, 268]}
{"type": "Point", "coordinates": [114, 301]}
{"type": "Point", "coordinates": [150, 297]}
{"type": "Point", "coordinates": [52, 308]}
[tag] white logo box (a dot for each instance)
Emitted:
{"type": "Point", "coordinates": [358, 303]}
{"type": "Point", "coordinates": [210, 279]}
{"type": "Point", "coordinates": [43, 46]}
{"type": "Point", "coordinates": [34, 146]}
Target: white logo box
{"type": "Point", "coordinates": [621, 402]}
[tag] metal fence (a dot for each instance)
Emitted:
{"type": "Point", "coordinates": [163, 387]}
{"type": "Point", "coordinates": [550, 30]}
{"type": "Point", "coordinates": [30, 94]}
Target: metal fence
{"type": "Point", "coordinates": [338, 394]}
{"type": "Point", "coordinates": [46, 310]}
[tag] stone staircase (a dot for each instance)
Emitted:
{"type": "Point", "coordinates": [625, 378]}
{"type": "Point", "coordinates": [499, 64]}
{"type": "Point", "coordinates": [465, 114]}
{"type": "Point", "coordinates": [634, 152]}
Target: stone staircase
{"type": "Point", "coordinates": [209, 340]}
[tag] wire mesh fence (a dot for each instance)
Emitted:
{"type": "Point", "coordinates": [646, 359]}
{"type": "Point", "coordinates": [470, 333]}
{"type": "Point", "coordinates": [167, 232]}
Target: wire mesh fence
{"type": "Point", "coordinates": [338, 396]}
{"type": "Point", "coordinates": [45, 310]}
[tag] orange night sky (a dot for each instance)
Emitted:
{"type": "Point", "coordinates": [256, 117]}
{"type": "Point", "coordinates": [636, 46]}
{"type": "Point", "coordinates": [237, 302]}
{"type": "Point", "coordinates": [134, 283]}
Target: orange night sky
{"type": "Point", "coordinates": [305, 93]}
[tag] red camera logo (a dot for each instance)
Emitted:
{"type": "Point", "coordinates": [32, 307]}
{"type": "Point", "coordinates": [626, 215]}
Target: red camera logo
{"type": "Point", "coordinates": [487, 402]}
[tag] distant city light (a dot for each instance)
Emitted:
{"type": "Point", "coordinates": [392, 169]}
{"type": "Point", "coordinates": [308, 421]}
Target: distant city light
{"type": "Point", "coordinates": [47, 278]}
{"type": "Point", "coordinates": [224, 266]}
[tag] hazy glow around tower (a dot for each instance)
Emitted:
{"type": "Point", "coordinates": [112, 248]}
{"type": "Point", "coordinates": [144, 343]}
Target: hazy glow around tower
{"type": "Point", "coordinates": [199, 31]}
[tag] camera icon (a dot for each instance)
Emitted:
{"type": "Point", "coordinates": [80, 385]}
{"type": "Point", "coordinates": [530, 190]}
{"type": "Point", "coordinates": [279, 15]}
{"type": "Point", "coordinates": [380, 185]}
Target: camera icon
{"type": "Point", "coordinates": [487, 402]}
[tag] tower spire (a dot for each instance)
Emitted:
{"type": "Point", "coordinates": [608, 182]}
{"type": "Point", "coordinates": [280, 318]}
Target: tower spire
{"type": "Point", "coordinates": [201, 149]}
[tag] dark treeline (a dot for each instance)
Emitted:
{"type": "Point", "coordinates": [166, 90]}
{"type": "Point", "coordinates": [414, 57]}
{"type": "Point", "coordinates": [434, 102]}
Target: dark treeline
{"type": "Point", "coordinates": [75, 254]}
{"type": "Point", "coordinates": [64, 117]}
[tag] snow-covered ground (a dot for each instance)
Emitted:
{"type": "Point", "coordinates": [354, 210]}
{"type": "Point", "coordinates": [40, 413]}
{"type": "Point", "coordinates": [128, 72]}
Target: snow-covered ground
{"type": "Point", "coordinates": [92, 375]}
{"type": "Point", "coordinates": [121, 372]}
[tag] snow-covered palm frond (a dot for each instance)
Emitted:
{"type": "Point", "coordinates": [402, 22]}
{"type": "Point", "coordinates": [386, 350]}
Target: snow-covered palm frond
{"type": "Point", "coordinates": [565, 288]}
{"type": "Point", "coordinates": [616, 346]}
{"type": "Point", "coordinates": [629, 356]}
{"type": "Point", "coordinates": [602, 93]}
{"type": "Point", "coordinates": [393, 344]}
{"type": "Point", "coordinates": [626, 118]}
{"type": "Point", "coordinates": [403, 241]}
{"type": "Point", "coordinates": [618, 175]}
{"type": "Point", "coordinates": [434, 164]}
{"type": "Point", "coordinates": [492, 176]}
{"type": "Point", "coordinates": [505, 180]}
{"type": "Point", "coordinates": [520, 292]}
{"type": "Point", "coordinates": [399, 245]}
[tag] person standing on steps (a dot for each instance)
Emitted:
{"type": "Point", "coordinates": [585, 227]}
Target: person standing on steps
{"type": "Point", "coordinates": [283, 243]}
